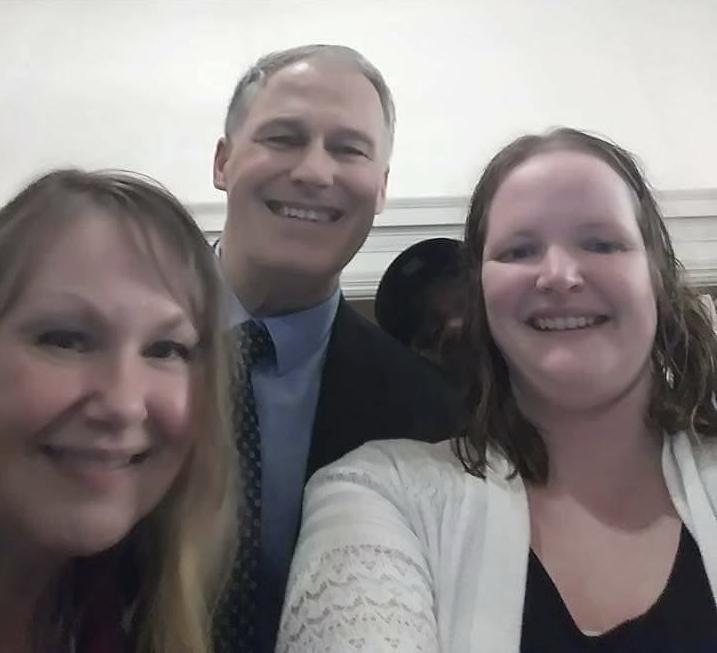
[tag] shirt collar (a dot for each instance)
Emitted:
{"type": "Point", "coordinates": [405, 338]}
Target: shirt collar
{"type": "Point", "coordinates": [296, 336]}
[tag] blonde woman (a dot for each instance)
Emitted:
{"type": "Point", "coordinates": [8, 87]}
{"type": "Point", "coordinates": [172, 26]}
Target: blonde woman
{"type": "Point", "coordinates": [117, 472]}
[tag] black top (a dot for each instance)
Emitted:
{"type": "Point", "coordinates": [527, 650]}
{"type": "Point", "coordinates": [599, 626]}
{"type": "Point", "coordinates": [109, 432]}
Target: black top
{"type": "Point", "coordinates": [682, 620]}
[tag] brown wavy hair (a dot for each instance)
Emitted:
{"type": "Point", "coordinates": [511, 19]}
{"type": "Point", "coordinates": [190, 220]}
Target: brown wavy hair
{"type": "Point", "coordinates": [170, 569]}
{"type": "Point", "coordinates": [684, 354]}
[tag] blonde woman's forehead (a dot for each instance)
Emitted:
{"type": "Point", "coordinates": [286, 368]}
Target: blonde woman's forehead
{"type": "Point", "coordinates": [101, 254]}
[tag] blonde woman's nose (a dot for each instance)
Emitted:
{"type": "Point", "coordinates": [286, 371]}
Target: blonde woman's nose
{"type": "Point", "coordinates": [118, 396]}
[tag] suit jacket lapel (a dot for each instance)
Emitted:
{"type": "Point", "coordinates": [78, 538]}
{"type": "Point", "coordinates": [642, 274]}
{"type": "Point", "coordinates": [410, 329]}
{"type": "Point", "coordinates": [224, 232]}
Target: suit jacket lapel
{"type": "Point", "coordinates": [351, 386]}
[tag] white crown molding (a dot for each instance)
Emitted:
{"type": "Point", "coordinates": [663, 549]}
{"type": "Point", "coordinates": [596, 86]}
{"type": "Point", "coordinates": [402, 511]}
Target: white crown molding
{"type": "Point", "coordinates": [690, 215]}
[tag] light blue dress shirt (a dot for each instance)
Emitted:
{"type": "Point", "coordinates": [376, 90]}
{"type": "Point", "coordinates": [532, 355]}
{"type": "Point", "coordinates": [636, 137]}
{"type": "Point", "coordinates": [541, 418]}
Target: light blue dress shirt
{"type": "Point", "coordinates": [286, 393]}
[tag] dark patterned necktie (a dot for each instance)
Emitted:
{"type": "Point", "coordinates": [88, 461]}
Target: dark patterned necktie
{"type": "Point", "coordinates": [235, 625]}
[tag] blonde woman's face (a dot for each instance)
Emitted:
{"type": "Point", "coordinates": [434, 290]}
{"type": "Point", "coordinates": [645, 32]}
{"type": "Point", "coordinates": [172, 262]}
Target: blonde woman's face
{"type": "Point", "coordinates": [96, 377]}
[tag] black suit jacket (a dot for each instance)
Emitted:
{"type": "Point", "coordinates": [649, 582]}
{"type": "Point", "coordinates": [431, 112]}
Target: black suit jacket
{"type": "Point", "coordinates": [374, 388]}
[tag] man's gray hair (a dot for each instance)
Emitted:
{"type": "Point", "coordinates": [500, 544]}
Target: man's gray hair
{"type": "Point", "coordinates": [258, 75]}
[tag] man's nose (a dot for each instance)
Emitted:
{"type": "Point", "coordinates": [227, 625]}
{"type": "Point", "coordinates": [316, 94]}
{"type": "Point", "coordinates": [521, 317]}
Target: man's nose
{"type": "Point", "coordinates": [559, 271]}
{"type": "Point", "coordinates": [315, 166]}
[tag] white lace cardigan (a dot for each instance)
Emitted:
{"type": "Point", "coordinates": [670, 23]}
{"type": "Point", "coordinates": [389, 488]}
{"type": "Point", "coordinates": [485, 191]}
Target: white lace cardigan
{"type": "Point", "coordinates": [402, 551]}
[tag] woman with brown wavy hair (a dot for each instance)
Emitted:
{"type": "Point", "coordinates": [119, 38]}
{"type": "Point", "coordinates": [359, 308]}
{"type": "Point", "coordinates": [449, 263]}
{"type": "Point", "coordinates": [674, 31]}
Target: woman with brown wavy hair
{"type": "Point", "coordinates": [117, 470]}
{"type": "Point", "coordinates": [577, 513]}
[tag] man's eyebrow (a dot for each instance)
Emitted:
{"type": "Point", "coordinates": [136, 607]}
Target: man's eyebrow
{"type": "Point", "coordinates": [286, 123]}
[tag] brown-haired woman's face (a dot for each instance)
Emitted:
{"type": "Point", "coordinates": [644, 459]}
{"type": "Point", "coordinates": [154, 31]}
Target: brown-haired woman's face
{"type": "Point", "coordinates": [566, 281]}
{"type": "Point", "coordinates": [96, 378]}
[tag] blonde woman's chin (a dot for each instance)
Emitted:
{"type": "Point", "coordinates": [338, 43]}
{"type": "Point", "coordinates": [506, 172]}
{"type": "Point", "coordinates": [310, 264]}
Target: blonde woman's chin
{"type": "Point", "coordinates": [83, 532]}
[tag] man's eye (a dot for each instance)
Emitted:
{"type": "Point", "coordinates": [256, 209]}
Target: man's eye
{"type": "Point", "coordinates": [66, 339]}
{"type": "Point", "coordinates": [349, 150]}
{"type": "Point", "coordinates": [282, 140]}
{"type": "Point", "coordinates": [599, 246]}
{"type": "Point", "coordinates": [168, 349]}
{"type": "Point", "coordinates": [516, 253]}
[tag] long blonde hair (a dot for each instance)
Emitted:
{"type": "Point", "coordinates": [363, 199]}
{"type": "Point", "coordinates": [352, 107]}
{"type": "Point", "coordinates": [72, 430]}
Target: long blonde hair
{"type": "Point", "coordinates": [180, 553]}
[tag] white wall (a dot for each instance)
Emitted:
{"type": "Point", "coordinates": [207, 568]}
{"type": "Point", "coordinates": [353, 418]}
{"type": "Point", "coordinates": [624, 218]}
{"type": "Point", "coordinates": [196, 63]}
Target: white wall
{"type": "Point", "coordinates": [144, 84]}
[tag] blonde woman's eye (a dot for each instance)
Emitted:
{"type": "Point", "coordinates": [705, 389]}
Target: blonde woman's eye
{"type": "Point", "coordinates": [169, 349]}
{"type": "Point", "coordinates": [64, 339]}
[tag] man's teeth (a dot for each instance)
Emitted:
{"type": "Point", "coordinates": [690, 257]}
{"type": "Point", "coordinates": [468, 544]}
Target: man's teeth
{"type": "Point", "coordinates": [563, 323]}
{"type": "Point", "coordinates": [301, 213]}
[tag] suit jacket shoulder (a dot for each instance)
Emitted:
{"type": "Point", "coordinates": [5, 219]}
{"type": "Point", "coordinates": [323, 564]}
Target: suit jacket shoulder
{"type": "Point", "coordinates": [373, 388]}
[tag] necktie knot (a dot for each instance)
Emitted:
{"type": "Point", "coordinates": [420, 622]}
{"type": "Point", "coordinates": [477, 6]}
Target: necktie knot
{"type": "Point", "coordinates": [255, 344]}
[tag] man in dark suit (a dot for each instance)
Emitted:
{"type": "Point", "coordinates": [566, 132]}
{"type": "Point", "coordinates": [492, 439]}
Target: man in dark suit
{"type": "Point", "coordinates": [304, 161]}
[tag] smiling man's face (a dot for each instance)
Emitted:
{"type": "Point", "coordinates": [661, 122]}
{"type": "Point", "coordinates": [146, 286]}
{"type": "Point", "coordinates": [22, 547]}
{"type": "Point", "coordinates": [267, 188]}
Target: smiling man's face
{"type": "Point", "coordinates": [305, 174]}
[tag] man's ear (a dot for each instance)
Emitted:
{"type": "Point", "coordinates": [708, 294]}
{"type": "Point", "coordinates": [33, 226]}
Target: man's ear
{"type": "Point", "coordinates": [381, 197]}
{"type": "Point", "coordinates": [221, 155]}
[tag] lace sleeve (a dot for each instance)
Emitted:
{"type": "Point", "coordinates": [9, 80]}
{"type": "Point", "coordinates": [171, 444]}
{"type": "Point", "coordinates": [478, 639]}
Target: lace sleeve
{"type": "Point", "coordinates": [359, 580]}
